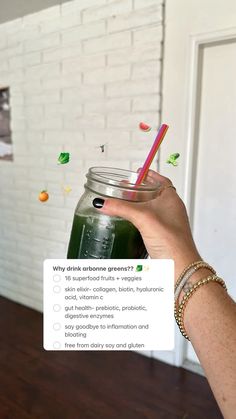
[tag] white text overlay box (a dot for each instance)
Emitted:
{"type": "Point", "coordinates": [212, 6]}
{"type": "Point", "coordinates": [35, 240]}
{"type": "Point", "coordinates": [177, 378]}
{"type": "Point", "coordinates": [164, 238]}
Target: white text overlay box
{"type": "Point", "coordinates": [112, 304]}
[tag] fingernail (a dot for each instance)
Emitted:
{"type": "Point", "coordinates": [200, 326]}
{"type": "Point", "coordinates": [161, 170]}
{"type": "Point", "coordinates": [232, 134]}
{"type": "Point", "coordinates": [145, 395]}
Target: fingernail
{"type": "Point", "coordinates": [98, 202]}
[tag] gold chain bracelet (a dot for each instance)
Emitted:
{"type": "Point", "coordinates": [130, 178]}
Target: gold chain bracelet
{"type": "Point", "coordinates": [199, 264]}
{"type": "Point", "coordinates": [179, 313]}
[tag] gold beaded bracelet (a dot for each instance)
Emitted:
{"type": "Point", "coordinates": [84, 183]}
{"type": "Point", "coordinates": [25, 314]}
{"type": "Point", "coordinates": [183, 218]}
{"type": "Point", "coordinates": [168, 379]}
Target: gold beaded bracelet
{"type": "Point", "coordinates": [199, 264]}
{"type": "Point", "coordinates": [188, 275]}
{"type": "Point", "coordinates": [179, 313]}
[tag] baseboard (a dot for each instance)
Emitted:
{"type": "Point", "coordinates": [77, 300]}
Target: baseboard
{"type": "Point", "coordinates": [194, 367]}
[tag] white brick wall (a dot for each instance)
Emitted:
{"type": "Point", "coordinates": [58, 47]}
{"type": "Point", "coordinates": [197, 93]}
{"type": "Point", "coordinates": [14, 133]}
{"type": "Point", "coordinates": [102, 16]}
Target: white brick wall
{"type": "Point", "coordinates": [81, 74]}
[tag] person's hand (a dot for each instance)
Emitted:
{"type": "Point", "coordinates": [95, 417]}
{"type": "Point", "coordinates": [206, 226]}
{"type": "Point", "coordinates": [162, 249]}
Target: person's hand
{"type": "Point", "coordinates": [162, 222]}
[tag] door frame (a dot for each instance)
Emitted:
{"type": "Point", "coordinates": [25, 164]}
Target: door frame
{"type": "Point", "coordinates": [197, 42]}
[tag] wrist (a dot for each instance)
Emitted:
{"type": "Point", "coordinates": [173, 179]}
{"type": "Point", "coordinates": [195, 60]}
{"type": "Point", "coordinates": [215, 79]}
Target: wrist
{"type": "Point", "coordinates": [204, 297]}
{"type": "Point", "coordinates": [194, 278]}
{"type": "Point", "coordinates": [203, 283]}
{"type": "Point", "coordinates": [184, 260]}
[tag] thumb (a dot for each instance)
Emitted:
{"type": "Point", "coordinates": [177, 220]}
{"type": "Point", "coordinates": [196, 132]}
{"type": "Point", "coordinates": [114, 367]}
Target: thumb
{"type": "Point", "coordinates": [131, 211]}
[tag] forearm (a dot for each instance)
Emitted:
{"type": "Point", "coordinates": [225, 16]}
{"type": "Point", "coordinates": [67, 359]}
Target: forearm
{"type": "Point", "coordinates": [210, 315]}
{"type": "Point", "coordinates": [210, 322]}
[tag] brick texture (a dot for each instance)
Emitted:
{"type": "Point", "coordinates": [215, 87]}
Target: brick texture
{"type": "Point", "coordinates": [80, 75]}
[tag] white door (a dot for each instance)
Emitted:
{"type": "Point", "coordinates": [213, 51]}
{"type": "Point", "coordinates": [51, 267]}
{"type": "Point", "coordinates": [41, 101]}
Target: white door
{"type": "Point", "coordinates": [199, 104]}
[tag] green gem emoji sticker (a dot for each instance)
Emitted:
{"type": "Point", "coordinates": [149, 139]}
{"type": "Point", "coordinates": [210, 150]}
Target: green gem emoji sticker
{"type": "Point", "coordinates": [63, 158]}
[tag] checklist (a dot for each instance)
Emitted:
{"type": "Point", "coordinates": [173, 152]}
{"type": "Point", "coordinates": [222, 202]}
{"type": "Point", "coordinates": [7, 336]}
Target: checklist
{"type": "Point", "coordinates": [113, 304]}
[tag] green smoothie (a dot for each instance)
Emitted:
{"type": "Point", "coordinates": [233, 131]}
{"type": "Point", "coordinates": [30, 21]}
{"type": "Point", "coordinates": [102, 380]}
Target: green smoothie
{"type": "Point", "coordinates": [104, 238]}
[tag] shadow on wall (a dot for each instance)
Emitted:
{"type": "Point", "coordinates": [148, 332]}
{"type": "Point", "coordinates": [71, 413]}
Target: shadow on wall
{"type": "Point", "coordinates": [18, 8]}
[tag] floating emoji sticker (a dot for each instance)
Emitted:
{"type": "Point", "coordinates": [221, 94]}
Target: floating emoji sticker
{"type": "Point", "coordinates": [172, 159]}
{"type": "Point", "coordinates": [63, 158]}
{"type": "Point", "coordinates": [144, 127]}
{"type": "Point", "coordinates": [43, 196]}
{"type": "Point", "coordinates": [67, 189]}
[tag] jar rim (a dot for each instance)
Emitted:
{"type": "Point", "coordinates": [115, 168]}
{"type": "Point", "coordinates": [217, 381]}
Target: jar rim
{"type": "Point", "coordinates": [114, 177]}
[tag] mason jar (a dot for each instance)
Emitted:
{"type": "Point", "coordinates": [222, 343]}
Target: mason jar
{"type": "Point", "coordinates": [95, 235]}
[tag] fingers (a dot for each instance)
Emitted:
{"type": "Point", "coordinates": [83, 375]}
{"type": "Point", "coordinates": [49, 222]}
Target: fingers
{"type": "Point", "coordinates": [167, 188]}
{"type": "Point", "coordinates": [124, 209]}
{"type": "Point", "coordinates": [135, 212]}
{"type": "Point", "coordinates": [155, 177]}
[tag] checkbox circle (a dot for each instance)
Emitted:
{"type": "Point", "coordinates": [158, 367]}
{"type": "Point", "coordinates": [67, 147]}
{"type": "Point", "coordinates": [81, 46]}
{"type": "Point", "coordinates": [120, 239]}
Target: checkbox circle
{"type": "Point", "coordinates": [56, 289]}
{"type": "Point", "coordinates": [57, 278]}
{"type": "Point", "coordinates": [56, 307]}
{"type": "Point", "coordinates": [56, 345]}
{"type": "Point", "coordinates": [57, 326]}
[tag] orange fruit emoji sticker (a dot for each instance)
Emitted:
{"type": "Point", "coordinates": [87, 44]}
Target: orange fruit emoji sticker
{"type": "Point", "coordinates": [43, 196]}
